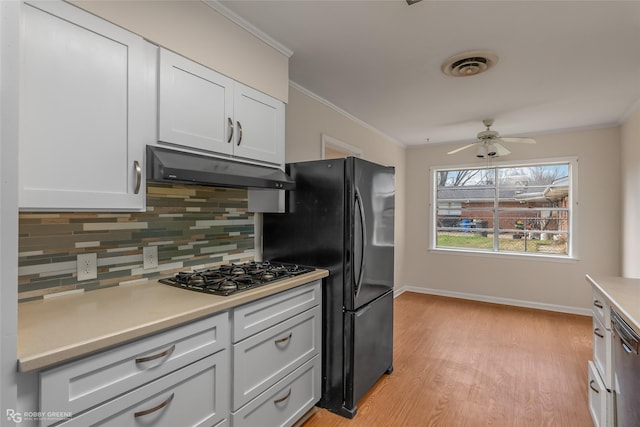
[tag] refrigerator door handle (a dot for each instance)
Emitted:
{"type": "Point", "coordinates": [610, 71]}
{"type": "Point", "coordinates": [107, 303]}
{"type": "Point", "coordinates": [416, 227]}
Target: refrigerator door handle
{"type": "Point", "coordinates": [363, 244]}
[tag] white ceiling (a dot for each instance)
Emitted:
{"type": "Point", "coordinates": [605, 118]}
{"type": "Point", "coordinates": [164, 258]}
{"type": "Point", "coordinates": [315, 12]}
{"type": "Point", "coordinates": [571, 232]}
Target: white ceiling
{"type": "Point", "coordinates": [562, 64]}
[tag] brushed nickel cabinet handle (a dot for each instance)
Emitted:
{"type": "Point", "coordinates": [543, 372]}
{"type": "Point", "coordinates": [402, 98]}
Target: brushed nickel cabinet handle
{"type": "Point", "coordinates": [156, 356]}
{"type": "Point", "coordinates": [154, 409]}
{"type": "Point", "coordinates": [285, 339]}
{"type": "Point", "coordinates": [591, 383]}
{"type": "Point", "coordinates": [239, 130]}
{"type": "Point", "coordinates": [597, 332]}
{"type": "Point", "coordinates": [598, 304]}
{"type": "Point", "coordinates": [230, 129]}
{"type": "Point", "coordinates": [282, 399]}
{"type": "Point", "coordinates": [136, 166]}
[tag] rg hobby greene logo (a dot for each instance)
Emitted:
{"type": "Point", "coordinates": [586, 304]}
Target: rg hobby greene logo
{"type": "Point", "coordinates": [18, 417]}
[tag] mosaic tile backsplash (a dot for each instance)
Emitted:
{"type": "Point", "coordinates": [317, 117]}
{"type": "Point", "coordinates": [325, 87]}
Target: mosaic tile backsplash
{"type": "Point", "coordinates": [192, 226]}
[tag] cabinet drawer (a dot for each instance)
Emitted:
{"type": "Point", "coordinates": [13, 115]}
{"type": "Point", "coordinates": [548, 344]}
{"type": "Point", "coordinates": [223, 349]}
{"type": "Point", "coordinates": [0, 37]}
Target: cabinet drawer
{"type": "Point", "coordinates": [286, 401]}
{"type": "Point", "coordinates": [77, 386]}
{"type": "Point", "coordinates": [265, 358]}
{"type": "Point", "coordinates": [260, 315]}
{"type": "Point", "coordinates": [601, 308]}
{"type": "Point", "coordinates": [602, 357]}
{"type": "Point", "coordinates": [598, 399]}
{"type": "Point", "coordinates": [193, 396]}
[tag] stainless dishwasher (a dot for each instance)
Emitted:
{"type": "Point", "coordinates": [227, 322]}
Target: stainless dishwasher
{"type": "Point", "coordinates": [626, 363]}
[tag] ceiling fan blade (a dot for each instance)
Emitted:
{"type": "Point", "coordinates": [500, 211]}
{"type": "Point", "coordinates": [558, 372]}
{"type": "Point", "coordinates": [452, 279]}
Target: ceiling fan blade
{"type": "Point", "coordinates": [500, 150]}
{"type": "Point", "coordinates": [521, 140]}
{"type": "Point", "coordinates": [461, 148]}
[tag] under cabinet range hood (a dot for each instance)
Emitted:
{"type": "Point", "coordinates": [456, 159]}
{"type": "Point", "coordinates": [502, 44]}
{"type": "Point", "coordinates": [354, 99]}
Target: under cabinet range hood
{"type": "Point", "coordinates": [165, 165]}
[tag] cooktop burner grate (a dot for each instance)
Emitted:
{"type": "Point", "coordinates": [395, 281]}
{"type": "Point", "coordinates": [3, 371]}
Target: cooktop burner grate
{"type": "Point", "coordinates": [231, 278]}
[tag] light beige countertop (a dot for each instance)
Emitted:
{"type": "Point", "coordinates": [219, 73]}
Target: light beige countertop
{"type": "Point", "coordinates": [55, 330]}
{"type": "Point", "coordinates": [622, 294]}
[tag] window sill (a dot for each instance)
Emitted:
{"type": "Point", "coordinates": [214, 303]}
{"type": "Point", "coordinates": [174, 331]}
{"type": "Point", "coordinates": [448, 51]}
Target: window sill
{"type": "Point", "coordinates": [507, 255]}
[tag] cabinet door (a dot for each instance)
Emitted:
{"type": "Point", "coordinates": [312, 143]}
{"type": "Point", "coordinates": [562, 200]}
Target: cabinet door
{"type": "Point", "coordinates": [82, 123]}
{"type": "Point", "coordinates": [195, 105]}
{"type": "Point", "coordinates": [259, 126]}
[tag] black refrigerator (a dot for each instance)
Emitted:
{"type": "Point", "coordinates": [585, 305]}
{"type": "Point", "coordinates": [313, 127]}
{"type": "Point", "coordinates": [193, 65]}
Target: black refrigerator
{"type": "Point", "coordinates": [341, 218]}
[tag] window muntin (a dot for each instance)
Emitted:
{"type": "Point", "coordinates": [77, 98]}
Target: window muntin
{"type": "Point", "coordinates": [515, 209]}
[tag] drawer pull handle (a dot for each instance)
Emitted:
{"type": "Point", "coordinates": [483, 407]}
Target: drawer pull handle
{"type": "Point", "coordinates": [591, 383]}
{"type": "Point", "coordinates": [136, 166]}
{"type": "Point", "coordinates": [598, 304]}
{"type": "Point", "coordinates": [230, 129]}
{"type": "Point", "coordinates": [283, 340]}
{"type": "Point", "coordinates": [597, 332]}
{"type": "Point", "coordinates": [154, 409]}
{"type": "Point", "coordinates": [156, 356]}
{"type": "Point", "coordinates": [240, 134]}
{"type": "Point", "coordinates": [282, 399]}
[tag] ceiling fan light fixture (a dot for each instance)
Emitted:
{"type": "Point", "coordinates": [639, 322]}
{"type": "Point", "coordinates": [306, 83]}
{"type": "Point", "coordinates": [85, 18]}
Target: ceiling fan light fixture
{"type": "Point", "coordinates": [469, 63]}
{"type": "Point", "coordinates": [492, 150]}
{"type": "Point", "coordinates": [481, 152]}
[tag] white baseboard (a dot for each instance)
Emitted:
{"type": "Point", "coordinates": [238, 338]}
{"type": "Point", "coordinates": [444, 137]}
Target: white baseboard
{"type": "Point", "coordinates": [496, 300]}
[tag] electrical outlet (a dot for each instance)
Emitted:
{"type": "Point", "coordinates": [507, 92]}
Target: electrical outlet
{"type": "Point", "coordinates": [149, 257]}
{"type": "Point", "coordinates": [87, 266]}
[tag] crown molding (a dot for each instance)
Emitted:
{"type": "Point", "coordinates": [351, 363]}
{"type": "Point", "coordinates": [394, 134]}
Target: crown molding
{"type": "Point", "coordinates": [246, 25]}
{"type": "Point", "coordinates": [629, 111]}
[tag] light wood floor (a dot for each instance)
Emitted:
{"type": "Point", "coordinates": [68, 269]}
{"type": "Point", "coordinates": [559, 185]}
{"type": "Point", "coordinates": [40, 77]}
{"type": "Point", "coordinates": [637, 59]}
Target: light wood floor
{"type": "Point", "coordinates": [464, 363]}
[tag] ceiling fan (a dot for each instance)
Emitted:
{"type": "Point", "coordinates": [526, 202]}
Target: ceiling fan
{"type": "Point", "coordinates": [489, 142]}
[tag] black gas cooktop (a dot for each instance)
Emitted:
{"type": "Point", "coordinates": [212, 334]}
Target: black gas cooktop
{"type": "Point", "coordinates": [231, 278]}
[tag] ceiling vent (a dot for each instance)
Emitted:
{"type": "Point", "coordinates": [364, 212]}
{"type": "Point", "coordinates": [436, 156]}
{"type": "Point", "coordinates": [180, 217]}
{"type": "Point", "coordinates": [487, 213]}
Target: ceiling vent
{"type": "Point", "coordinates": [469, 63]}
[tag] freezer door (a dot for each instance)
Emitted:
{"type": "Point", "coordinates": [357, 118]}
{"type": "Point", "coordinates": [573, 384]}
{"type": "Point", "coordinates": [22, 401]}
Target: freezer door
{"type": "Point", "coordinates": [371, 205]}
{"type": "Point", "coordinates": [369, 348]}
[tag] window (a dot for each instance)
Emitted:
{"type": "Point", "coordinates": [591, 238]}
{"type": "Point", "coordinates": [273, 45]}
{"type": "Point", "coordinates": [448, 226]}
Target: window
{"type": "Point", "coordinates": [524, 208]}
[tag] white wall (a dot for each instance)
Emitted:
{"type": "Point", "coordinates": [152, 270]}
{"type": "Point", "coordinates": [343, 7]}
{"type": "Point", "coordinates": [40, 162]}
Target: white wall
{"type": "Point", "coordinates": [630, 153]}
{"type": "Point", "coordinates": [198, 32]}
{"type": "Point", "coordinates": [308, 118]}
{"type": "Point", "coordinates": [543, 283]}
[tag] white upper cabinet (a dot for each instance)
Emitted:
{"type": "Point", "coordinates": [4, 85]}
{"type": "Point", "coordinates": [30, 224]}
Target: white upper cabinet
{"type": "Point", "coordinates": [195, 105]}
{"type": "Point", "coordinates": [87, 111]}
{"type": "Point", "coordinates": [202, 109]}
{"type": "Point", "coordinates": [259, 125]}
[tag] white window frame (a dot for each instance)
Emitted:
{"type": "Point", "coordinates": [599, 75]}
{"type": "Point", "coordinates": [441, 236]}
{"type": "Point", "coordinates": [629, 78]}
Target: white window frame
{"type": "Point", "coordinates": [572, 204]}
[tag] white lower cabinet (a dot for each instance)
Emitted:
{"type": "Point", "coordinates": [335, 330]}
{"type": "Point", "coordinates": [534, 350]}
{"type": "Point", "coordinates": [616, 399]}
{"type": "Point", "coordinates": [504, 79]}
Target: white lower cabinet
{"type": "Point", "coordinates": [77, 386]}
{"type": "Point", "coordinates": [276, 364]}
{"type": "Point", "coordinates": [180, 377]}
{"type": "Point", "coordinates": [601, 387]}
{"type": "Point", "coordinates": [191, 375]}
{"type": "Point", "coordinates": [194, 396]}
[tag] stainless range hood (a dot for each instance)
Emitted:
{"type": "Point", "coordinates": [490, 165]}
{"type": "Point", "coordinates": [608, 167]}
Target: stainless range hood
{"type": "Point", "coordinates": [165, 165]}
